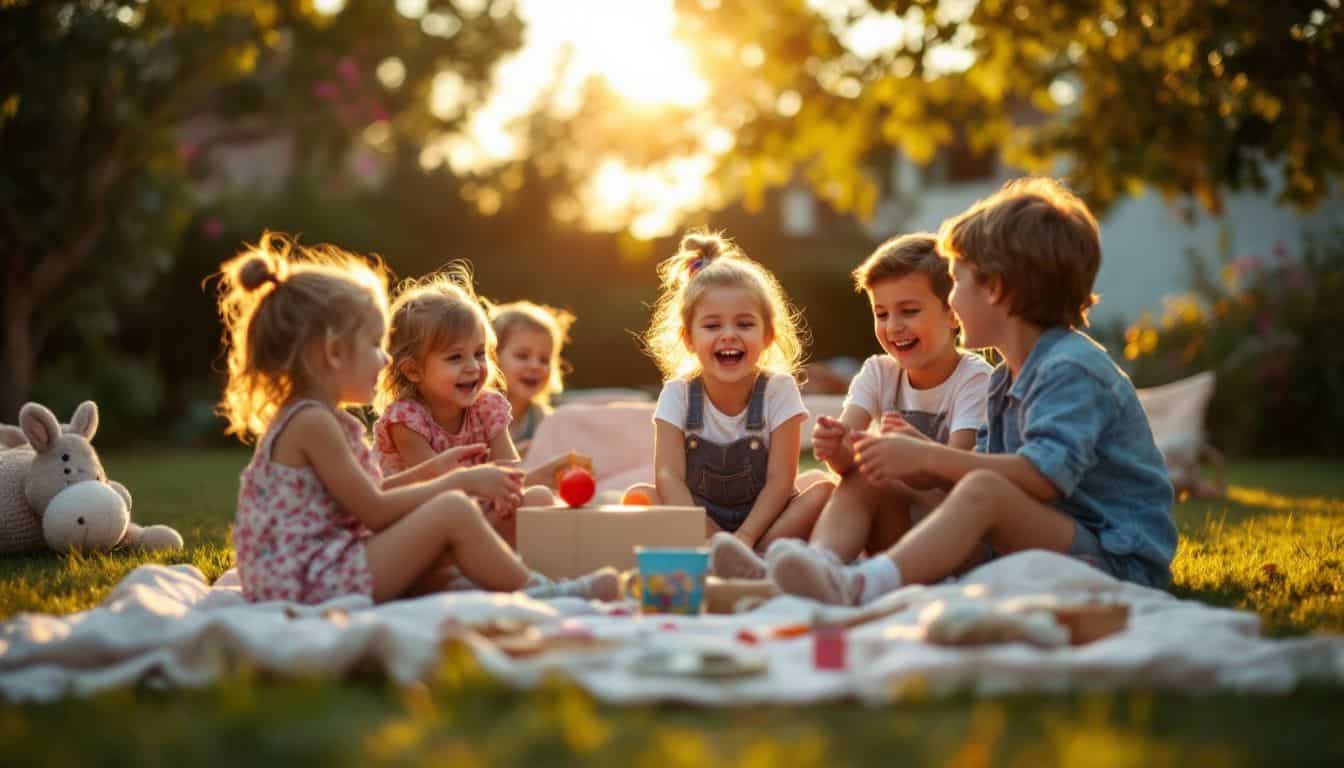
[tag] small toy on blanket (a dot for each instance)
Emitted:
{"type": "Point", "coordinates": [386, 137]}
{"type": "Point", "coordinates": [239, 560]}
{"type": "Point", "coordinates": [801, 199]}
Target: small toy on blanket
{"type": "Point", "coordinates": [1045, 626]}
{"type": "Point", "coordinates": [521, 639]}
{"type": "Point", "coordinates": [54, 493]}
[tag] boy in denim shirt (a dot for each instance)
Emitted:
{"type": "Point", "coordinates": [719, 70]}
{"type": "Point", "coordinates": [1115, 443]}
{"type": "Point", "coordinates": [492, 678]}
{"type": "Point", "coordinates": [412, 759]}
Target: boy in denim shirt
{"type": "Point", "coordinates": [1067, 461]}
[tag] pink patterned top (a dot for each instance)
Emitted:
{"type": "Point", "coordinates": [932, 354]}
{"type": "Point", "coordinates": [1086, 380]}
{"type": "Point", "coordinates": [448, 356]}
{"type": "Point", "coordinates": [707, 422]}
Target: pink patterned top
{"type": "Point", "coordinates": [291, 540]}
{"type": "Point", "coordinates": [482, 422]}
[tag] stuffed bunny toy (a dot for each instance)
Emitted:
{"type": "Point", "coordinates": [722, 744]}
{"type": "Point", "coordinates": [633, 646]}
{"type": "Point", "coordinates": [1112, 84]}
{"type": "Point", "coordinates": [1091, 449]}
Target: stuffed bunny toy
{"type": "Point", "coordinates": [54, 493]}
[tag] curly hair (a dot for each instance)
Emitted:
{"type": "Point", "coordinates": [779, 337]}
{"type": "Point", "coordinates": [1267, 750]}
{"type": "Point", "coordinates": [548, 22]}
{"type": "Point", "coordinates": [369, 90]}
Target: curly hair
{"type": "Point", "coordinates": [275, 298]}
{"type": "Point", "coordinates": [430, 314]}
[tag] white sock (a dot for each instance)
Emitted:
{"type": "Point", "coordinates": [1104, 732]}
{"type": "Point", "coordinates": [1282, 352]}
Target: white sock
{"type": "Point", "coordinates": [880, 576]}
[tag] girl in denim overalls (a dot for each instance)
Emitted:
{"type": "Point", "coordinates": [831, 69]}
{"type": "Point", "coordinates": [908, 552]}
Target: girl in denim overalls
{"type": "Point", "coordinates": [729, 418]}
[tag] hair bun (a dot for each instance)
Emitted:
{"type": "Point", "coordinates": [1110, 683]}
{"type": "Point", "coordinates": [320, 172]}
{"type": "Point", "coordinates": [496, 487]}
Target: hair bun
{"type": "Point", "coordinates": [255, 273]}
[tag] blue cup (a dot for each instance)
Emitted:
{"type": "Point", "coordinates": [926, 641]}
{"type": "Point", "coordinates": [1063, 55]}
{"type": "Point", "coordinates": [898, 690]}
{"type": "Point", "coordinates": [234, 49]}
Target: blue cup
{"type": "Point", "coordinates": [671, 579]}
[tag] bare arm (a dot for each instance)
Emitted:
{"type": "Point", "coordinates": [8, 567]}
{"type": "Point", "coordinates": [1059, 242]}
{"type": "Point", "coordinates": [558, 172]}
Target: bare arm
{"type": "Point", "coordinates": [962, 440]}
{"type": "Point", "coordinates": [317, 439]}
{"type": "Point", "coordinates": [907, 458]}
{"type": "Point", "coordinates": [780, 473]}
{"type": "Point", "coordinates": [669, 465]}
{"type": "Point", "coordinates": [440, 464]}
{"type": "Point", "coordinates": [412, 446]}
{"type": "Point", "coordinates": [501, 448]}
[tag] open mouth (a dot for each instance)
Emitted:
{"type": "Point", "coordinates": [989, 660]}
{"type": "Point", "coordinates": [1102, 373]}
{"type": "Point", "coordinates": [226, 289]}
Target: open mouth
{"type": "Point", "coordinates": [729, 356]}
{"type": "Point", "coordinates": [467, 387]}
{"type": "Point", "coordinates": [529, 382]}
{"type": "Point", "coordinates": [905, 346]}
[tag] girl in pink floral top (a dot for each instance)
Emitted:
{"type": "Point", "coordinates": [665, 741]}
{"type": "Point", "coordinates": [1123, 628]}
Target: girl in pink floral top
{"type": "Point", "coordinates": [440, 391]}
{"type": "Point", "coordinates": [316, 520]}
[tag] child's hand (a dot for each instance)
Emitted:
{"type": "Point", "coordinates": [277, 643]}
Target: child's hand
{"type": "Point", "coordinates": [503, 484]}
{"type": "Point", "coordinates": [461, 456]}
{"type": "Point", "coordinates": [886, 460]}
{"type": "Point", "coordinates": [893, 423]}
{"type": "Point", "coordinates": [828, 438]}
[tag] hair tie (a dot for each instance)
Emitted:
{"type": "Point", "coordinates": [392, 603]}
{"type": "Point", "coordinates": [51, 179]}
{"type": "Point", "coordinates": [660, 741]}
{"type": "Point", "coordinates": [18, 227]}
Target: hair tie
{"type": "Point", "coordinates": [697, 264]}
{"type": "Point", "coordinates": [271, 277]}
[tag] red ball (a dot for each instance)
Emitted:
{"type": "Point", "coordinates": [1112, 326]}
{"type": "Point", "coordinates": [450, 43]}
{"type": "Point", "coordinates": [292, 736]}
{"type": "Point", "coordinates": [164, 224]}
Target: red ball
{"type": "Point", "coordinates": [577, 486]}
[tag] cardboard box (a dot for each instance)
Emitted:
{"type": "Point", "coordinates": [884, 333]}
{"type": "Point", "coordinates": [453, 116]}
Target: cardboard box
{"type": "Point", "coordinates": [563, 542]}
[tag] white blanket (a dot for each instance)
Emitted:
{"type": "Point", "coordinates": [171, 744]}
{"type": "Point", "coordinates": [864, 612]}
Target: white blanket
{"type": "Point", "coordinates": [165, 626]}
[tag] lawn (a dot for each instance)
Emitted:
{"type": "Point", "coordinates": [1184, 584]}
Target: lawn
{"type": "Point", "coordinates": [1275, 547]}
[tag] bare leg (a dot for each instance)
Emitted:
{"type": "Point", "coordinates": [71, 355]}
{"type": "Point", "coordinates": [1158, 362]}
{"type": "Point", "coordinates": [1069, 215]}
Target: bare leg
{"type": "Point", "coordinates": [857, 513]}
{"type": "Point", "coordinates": [449, 524]}
{"type": "Point", "coordinates": [983, 505]}
{"type": "Point", "coordinates": [440, 574]}
{"type": "Point", "coordinates": [798, 518]}
{"type": "Point", "coordinates": [810, 478]}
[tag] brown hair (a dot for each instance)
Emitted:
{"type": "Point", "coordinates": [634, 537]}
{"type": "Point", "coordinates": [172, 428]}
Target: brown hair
{"type": "Point", "coordinates": [707, 260]}
{"type": "Point", "coordinates": [508, 318]}
{"type": "Point", "coordinates": [274, 299]}
{"type": "Point", "coordinates": [428, 315]}
{"type": "Point", "coordinates": [1040, 240]}
{"type": "Point", "coordinates": [906, 255]}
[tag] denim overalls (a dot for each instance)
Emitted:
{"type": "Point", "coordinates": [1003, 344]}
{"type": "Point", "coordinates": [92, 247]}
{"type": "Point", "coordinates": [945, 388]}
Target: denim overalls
{"type": "Point", "coordinates": [932, 425]}
{"type": "Point", "coordinates": [726, 479]}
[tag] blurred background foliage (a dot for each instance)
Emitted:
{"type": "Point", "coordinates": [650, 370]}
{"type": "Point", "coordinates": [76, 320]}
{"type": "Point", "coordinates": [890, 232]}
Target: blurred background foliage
{"type": "Point", "coordinates": [144, 142]}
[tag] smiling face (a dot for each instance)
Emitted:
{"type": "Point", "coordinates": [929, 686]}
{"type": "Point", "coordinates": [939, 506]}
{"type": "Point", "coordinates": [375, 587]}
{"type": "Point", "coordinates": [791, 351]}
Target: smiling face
{"type": "Point", "coordinates": [527, 361]}
{"type": "Point", "coordinates": [910, 322]}
{"type": "Point", "coordinates": [978, 304]}
{"type": "Point", "coordinates": [728, 333]}
{"type": "Point", "coordinates": [453, 375]}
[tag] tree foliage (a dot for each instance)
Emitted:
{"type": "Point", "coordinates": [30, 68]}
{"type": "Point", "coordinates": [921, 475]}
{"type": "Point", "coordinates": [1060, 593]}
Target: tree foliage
{"type": "Point", "coordinates": [108, 109]}
{"type": "Point", "coordinates": [1185, 96]}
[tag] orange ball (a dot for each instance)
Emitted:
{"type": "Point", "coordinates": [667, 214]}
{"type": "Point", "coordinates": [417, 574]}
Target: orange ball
{"type": "Point", "coordinates": [636, 497]}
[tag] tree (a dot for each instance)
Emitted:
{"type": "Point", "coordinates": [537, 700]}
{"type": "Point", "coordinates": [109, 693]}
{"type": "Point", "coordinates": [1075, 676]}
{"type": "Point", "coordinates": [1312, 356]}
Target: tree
{"type": "Point", "coordinates": [1186, 96]}
{"type": "Point", "coordinates": [94, 97]}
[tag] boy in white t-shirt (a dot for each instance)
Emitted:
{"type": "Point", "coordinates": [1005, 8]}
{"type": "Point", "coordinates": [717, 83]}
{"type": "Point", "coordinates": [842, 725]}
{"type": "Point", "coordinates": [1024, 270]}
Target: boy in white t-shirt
{"type": "Point", "coordinates": [923, 386]}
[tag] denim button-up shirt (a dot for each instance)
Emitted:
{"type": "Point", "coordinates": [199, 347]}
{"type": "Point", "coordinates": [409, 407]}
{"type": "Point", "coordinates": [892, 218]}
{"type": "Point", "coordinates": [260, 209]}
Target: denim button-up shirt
{"type": "Point", "coordinates": [1075, 415]}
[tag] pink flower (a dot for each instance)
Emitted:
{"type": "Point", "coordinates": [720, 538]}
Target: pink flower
{"type": "Point", "coordinates": [212, 227]}
{"type": "Point", "coordinates": [326, 90]}
{"type": "Point", "coordinates": [348, 69]}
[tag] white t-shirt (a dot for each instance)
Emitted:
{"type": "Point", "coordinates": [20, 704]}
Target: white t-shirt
{"type": "Point", "coordinates": [963, 395]}
{"type": "Point", "coordinates": [783, 401]}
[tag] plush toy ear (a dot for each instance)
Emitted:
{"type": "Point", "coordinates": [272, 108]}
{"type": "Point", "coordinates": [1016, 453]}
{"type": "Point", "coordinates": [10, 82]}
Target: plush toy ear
{"type": "Point", "coordinates": [39, 425]}
{"type": "Point", "coordinates": [11, 437]}
{"type": "Point", "coordinates": [85, 420]}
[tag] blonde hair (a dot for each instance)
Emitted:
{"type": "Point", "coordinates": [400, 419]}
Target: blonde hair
{"type": "Point", "coordinates": [275, 298]}
{"type": "Point", "coordinates": [708, 260]}
{"type": "Point", "coordinates": [430, 314]}
{"type": "Point", "coordinates": [508, 318]}
{"type": "Point", "coordinates": [1040, 240]}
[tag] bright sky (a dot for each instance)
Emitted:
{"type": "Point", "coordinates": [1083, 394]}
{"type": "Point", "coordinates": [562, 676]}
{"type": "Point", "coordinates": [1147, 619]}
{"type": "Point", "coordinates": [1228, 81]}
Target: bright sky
{"type": "Point", "coordinates": [631, 44]}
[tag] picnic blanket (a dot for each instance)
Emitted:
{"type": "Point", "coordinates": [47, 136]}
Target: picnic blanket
{"type": "Point", "coordinates": [165, 626]}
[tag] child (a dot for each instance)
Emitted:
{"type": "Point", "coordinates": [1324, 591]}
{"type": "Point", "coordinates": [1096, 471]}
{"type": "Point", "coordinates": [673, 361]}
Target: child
{"type": "Point", "coordinates": [304, 331]}
{"type": "Point", "coordinates": [729, 418]}
{"type": "Point", "coordinates": [531, 338]}
{"type": "Point", "coordinates": [924, 386]}
{"type": "Point", "coordinates": [1067, 461]}
{"type": "Point", "coordinates": [439, 392]}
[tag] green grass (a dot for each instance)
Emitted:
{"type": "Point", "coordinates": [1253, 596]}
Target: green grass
{"type": "Point", "coordinates": [1275, 548]}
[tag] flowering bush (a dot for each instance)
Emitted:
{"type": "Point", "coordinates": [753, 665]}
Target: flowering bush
{"type": "Point", "coordinates": [1270, 329]}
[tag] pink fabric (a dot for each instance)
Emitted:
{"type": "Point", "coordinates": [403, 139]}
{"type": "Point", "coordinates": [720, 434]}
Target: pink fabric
{"type": "Point", "coordinates": [291, 540]}
{"type": "Point", "coordinates": [481, 423]}
{"type": "Point", "coordinates": [618, 436]}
